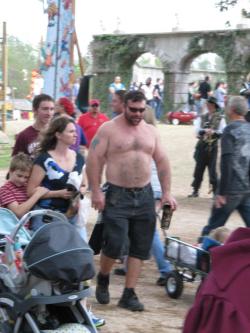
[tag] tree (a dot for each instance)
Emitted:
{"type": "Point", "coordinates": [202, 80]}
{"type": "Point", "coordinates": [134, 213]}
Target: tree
{"type": "Point", "coordinates": [226, 4]}
{"type": "Point", "coordinates": [22, 58]}
{"type": "Point", "coordinates": [219, 64]}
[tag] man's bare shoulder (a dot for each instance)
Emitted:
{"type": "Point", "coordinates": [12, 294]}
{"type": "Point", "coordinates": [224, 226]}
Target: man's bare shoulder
{"type": "Point", "coordinates": [107, 125]}
{"type": "Point", "coordinates": [151, 128]}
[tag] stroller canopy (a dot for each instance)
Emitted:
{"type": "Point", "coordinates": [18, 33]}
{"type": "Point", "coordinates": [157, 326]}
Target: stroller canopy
{"type": "Point", "coordinates": [8, 222]}
{"type": "Point", "coordinates": [58, 253]}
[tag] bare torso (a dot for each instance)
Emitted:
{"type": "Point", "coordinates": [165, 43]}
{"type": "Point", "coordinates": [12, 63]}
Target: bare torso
{"type": "Point", "coordinates": [129, 153]}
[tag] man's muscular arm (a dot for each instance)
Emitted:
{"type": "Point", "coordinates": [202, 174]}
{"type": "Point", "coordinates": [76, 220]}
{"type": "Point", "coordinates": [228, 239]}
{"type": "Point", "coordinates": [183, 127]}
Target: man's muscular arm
{"type": "Point", "coordinates": [95, 163]}
{"type": "Point", "coordinates": [164, 174]}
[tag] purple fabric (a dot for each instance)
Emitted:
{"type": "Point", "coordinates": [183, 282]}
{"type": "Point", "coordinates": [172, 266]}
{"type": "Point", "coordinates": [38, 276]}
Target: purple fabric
{"type": "Point", "coordinates": [222, 304]}
{"type": "Point", "coordinates": [80, 139]}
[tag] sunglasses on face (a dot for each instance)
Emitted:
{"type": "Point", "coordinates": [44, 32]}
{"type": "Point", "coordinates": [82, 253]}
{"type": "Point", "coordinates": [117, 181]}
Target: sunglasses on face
{"type": "Point", "coordinates": [134, 110]}
{"type": "Point", "coordinates": [94, 105]}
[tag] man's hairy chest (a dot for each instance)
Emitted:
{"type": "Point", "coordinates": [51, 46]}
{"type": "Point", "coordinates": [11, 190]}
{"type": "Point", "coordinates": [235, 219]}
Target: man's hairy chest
{"type": "Point", "coordinates": [124, 144]}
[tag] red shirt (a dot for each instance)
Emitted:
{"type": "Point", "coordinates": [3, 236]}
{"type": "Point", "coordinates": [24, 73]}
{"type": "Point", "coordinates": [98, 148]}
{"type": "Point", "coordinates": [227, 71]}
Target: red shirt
{"type": "Point", "coordinates": [26, 141]}
{"type": "Point", "coordinates": [9, 193]}
{"type": "Point", "coordinates": [90, 124]}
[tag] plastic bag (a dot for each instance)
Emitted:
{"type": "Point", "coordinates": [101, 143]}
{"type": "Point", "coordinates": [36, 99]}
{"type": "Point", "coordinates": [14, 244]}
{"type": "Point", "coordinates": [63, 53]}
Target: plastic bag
{"type": "Point", "coordinates": [83, 212]}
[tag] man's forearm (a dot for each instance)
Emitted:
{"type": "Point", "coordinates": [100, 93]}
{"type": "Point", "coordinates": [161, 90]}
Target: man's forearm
{"type": "Point", "coordinates": [164, 174]}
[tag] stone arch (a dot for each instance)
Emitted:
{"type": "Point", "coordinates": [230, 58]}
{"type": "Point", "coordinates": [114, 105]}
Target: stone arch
{"type": "Point", "coordinates": [114, 55]}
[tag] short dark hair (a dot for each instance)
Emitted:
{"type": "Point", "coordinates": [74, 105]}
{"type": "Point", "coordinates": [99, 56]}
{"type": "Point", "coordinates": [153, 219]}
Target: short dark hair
{"type": "Point", "coordinates": [134, 96]}
{"type": "Point", "coordinates": [39, 99]}
{"type": "Point", "coordinates": [121, 94]}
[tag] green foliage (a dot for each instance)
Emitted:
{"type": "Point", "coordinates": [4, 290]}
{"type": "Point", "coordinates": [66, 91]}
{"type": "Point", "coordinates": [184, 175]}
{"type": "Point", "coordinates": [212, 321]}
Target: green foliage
{"type": "Point", "coordinates": [219, 64]}
{"type": "Point", "coordinates": [5, 155]}
{"type": "Point", "coordinates": [115, 55]}
{"type": "Point", "coordinates": [205, 65]}
{"type": "Point", "coordinates": [124, 48]}
{"type": "Point", "coordinates": [222, 44]}
{"type": "Point", "coordinates": [224, 5]}
{"type": "Point", "coordinates": [101, 84]}
{"type": "Point", "coordinates": [22, 58]}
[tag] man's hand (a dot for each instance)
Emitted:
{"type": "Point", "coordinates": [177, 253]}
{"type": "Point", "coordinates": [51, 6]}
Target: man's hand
{"type": "Point", "coordinates": [209, 131]}
{"type": "Point", "coordinates": [167, 198]}
{"type": "Point", "coordinates": [220, 200]}
{"type": "Point", "coordinates": [98, 200]}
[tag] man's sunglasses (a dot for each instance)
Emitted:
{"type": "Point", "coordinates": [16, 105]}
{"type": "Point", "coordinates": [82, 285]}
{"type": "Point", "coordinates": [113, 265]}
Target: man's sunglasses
{"type": "Point", "coordinates": [94, 105]}
{"type": "Point", "coordinates": [134, 110]}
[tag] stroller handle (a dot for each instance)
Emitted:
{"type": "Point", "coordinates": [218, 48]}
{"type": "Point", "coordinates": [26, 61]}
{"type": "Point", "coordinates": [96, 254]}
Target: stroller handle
{"type": "Point", "coordinates": [9, 248]}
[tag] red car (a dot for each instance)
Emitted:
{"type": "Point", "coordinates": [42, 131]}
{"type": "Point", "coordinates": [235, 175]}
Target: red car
{"type": "Point", "coordinates": [181, 117]}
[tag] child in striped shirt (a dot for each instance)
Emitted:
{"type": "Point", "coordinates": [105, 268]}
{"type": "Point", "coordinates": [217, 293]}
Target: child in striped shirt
{"type": "Point", "coordinates": [13, 194]}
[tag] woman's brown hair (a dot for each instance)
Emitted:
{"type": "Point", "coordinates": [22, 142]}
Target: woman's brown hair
{"type": "Point", "coordinates": [49, 139]}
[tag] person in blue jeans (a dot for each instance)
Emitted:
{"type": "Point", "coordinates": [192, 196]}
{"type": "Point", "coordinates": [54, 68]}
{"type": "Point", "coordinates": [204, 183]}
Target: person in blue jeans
{"type": "Point", "coordinates": [157, 248]}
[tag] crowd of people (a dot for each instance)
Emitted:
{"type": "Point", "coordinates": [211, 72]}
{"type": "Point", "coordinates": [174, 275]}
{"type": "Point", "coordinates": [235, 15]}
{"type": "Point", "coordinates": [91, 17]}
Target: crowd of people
{"type": "Point", "coordinates": [61, 145]}
{"type": "Point", "coordinates": [199, 91]}
{"type": "Point", "coordinates": [154, 93]}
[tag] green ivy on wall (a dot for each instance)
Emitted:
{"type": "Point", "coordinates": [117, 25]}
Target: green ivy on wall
{"type": "Point", "coordinates": [125, 48]}
{"type": "Point", "coordinates": [222, 44]}
{"type": "Point", "coordinates": [116, 56]}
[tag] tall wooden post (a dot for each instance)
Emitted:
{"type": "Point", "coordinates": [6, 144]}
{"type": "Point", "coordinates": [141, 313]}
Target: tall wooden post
{"type": "Point", "coordinates": [4, 75]}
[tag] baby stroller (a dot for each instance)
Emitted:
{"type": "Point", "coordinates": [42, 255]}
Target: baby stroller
{"type": "Point", "coordinates": [41, 291]}
{"type": "Point", "coordinates": [189, 261]}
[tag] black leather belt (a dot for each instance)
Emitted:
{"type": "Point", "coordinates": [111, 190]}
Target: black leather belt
{"type": "Point", "coordinates": [129, 189]}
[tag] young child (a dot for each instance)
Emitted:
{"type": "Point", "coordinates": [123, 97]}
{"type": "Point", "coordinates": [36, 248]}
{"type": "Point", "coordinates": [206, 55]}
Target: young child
{"type": "Point", "coordinates": [190, 255]}
{"type": "Point", "coordinates": [13, 194]}
{"type": "Point", "coordinates": [216, 237]}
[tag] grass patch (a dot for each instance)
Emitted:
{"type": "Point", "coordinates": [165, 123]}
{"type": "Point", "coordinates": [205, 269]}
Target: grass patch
{"type": "Point", "coordinates": [4, 161]}
{"type": "Point", "coordinates": [5, 155]}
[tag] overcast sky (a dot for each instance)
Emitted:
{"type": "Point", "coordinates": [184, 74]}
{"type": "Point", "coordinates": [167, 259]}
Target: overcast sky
{"type": "Point", "coordinates": [25, 19]}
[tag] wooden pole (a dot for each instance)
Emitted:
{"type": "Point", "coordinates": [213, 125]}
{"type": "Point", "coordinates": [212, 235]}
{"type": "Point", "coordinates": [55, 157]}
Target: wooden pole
{"type": "Point", "coordinates": [81, 64]}
{"type": "Point", "coordinates": [5, 75]}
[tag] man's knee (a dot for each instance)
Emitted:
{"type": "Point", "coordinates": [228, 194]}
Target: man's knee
{"type": "Point", "coordinates": [114, 248]}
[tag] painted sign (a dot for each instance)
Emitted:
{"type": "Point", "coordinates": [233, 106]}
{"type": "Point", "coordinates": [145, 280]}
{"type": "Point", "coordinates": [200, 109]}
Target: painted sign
{"type": "Point", "coordinates": [56, 67]}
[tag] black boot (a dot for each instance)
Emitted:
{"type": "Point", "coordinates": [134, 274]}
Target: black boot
{"type": "Point", "coordinates": [130, 301]}
{"type": "Point", "coordinates": [194, 194]}
{"type": "Point", "coordinates": [102, 289]}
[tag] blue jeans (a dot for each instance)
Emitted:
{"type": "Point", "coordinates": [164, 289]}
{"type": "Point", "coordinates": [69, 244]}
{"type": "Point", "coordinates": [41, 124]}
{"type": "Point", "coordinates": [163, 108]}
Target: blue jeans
{"type": "Point", "coordinates": [158, 108]}
{"type": "Point", "coordinates": [219, 216]}
{"type": "Point", "coordinates": [157, 250]}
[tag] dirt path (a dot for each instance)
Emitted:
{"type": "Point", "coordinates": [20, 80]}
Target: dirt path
{"type": "Point", "coordinates": [162, 314]}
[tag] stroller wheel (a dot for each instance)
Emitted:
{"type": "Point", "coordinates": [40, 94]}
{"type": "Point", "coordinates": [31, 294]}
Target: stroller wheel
{"type": "Point", "coordinates": [174, 284]}
{"type": "Point", "coordinates": [7, 319]}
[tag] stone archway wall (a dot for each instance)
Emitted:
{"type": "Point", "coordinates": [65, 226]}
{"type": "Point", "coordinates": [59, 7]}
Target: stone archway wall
{"type": "Point", "coordinates": [115, 55]}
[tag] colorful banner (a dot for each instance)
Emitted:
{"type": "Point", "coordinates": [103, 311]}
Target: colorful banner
{"type": "Point", "coordinates": [56, 54]}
